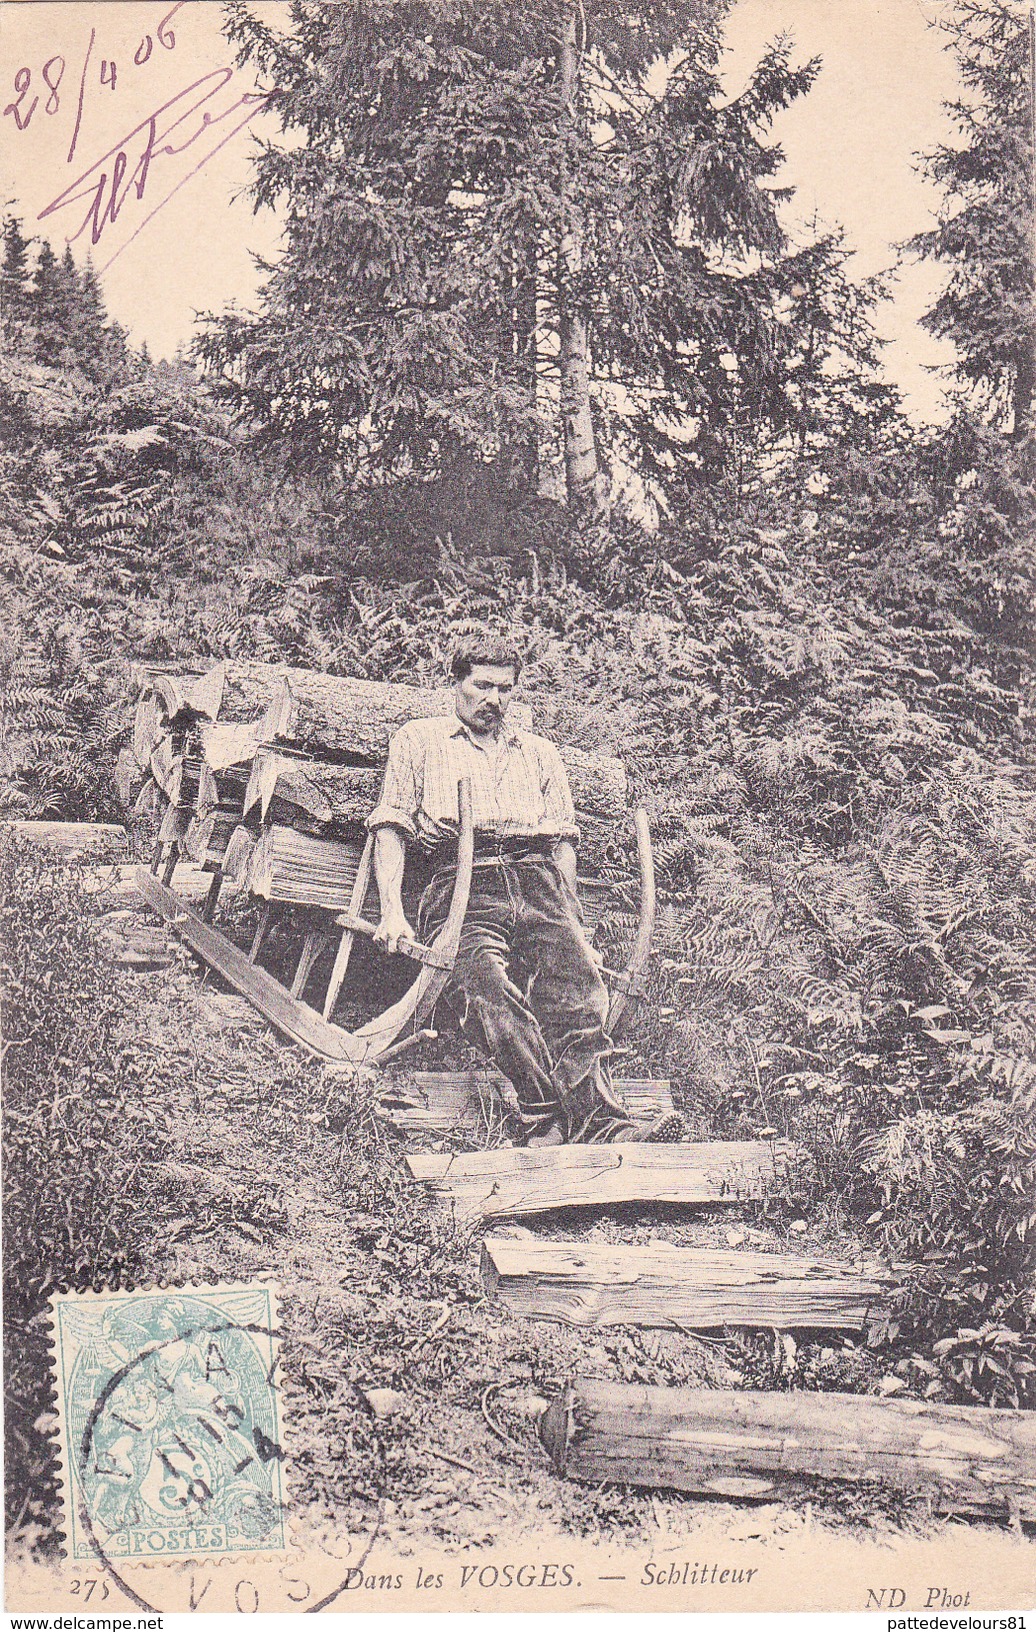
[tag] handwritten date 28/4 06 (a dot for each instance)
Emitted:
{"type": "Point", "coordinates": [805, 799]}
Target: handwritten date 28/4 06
{"type": "Point", "coordinates": [29, 91]}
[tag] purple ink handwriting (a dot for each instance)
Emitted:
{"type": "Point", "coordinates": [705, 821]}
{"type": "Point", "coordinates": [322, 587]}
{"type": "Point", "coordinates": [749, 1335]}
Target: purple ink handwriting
{"type": "Point", "coordinates": [123, 175]}
{"type": "Point", "coordinates": [28, 96]}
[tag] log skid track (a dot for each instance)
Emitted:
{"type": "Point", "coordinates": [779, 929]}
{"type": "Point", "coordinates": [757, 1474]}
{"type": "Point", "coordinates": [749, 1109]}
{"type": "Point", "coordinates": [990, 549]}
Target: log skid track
{"type": "Point", "coordinates": [281, 780]}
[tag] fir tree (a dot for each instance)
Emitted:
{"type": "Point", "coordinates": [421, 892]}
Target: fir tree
{"type": "Point", "coordinates": [54, 291]}
{"type": "Point", "coordinates": [507, 242]}
{"type": "Point", "coordinates": [15, 283]}
{"type": "Point", "coordinates": [985, 230]}
{"type": "Point", "coordinates": [833, 364]}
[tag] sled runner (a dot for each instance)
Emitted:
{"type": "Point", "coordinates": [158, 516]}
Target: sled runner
{"type": "Point", "coordinates": [275, 801]}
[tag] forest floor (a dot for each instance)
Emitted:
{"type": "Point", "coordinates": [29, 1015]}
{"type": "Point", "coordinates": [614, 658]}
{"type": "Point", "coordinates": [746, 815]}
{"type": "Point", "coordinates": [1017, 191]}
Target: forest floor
{"type": "Point", "coordinates": [271, 1165]}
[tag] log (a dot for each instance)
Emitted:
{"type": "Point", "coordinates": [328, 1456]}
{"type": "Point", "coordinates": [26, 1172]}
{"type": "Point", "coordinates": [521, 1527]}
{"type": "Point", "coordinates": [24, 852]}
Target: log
{"type": "Point", "coordinates": [441, 1101]}
{"type": "Point", "coordinates": [226, 745]}
{"type": "Point", "coordinates": [310, 796]}
{"type": "Point", "coordinates": [148, 728]}
{"type": "Point", "coordinates": [76, 841]}
{"type": "Point", "coordinates": [352, 721]}
{"type": "Point", "coordinates": [139, 948]}
{"type": "Point", "coordinates": [237, 861]}
{"type": "Point", "coordinates": [658, 1284]}
{"type": "Point", "coordinates": [743, 1444]}
{"type": "Point", "coordinates": [303, 871]}
{"type": "Point", "coordinates": [166, 768]}
{"type": "Point", "coordinates": [338, 717]}
{"type": "Point", "coordinates": [342, 717]}
{"type": "Point", "coordinates": [208, 837]}
{"type": "Point", "coordinates": [249, 687]}
{"type": "Point", "coordinates": [509, 1183]}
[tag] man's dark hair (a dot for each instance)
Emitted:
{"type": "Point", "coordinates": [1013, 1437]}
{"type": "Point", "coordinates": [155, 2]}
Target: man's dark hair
{"type": "Point", "coordinates": [485, 648]}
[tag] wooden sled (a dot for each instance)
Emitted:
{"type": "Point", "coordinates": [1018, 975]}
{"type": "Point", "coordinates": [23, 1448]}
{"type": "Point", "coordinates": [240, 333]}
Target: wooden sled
{"type": "Point", "coordinates": [400, 1025]}
{"type": "Point", "coordinates": [284, 1008]}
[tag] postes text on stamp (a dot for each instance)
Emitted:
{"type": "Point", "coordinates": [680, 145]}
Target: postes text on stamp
{"type": "Point", "coordinates": [171, 1422]}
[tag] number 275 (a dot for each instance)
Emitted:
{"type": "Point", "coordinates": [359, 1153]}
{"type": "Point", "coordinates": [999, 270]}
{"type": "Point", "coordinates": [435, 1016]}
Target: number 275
{"type": "Point", "coordinates": [85, 1589]}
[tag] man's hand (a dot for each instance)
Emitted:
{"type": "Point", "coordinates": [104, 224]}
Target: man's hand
{"type": "Point", "coordinates": [389, 860]}
{"type": "Point", "coordinates": [393, 928]}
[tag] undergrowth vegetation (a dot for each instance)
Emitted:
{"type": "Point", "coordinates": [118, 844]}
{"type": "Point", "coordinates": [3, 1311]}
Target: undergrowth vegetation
{"type": "Point", "coordinates": [819, 701]}
{"type": "Point", "coordinates": [83, 1127]}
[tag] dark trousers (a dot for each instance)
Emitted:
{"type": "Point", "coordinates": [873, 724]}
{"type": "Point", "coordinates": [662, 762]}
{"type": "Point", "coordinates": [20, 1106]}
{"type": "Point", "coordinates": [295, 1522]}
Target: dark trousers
{"type": "Point", "coordinates": [529, 992]}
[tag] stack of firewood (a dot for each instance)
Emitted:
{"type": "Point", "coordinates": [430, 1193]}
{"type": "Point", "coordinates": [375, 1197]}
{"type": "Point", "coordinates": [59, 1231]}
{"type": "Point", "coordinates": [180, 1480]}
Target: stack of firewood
{"type": "Point", "coordinates": [266, 774]}
{"type": "Point", "coordinates": [314, 779]}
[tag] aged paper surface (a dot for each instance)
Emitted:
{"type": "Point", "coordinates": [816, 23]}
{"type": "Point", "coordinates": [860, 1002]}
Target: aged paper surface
{"type": "Point", "coordinates": [128, 132]}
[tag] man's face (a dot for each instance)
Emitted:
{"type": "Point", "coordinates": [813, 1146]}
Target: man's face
{"type": "Point", "coordinates": [482, 699]}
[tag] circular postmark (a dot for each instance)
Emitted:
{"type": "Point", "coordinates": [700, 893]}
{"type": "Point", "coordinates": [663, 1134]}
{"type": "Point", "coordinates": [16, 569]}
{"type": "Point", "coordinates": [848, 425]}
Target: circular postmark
{"type": "Point", "coordinates": [172, 1418]}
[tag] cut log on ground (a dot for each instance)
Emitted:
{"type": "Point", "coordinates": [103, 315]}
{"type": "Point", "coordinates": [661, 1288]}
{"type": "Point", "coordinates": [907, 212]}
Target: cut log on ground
{"type": "Point", "coordinates": [604, 1284]}
{"type": "Point", "coordinates": [713, 1443]}
{"type": "Point", "coordinates": [139, 949]}
{"type": "Point", "coordinates": [308, 795]}
{"type": "Point", "coordinates": [293, 867]}
{"type": "Point", "coordinates": [441, 1101]}
{"type": "Point", "coordinates": [509, 1183]}
{"type": "Point", "coordinates": [76, 841]}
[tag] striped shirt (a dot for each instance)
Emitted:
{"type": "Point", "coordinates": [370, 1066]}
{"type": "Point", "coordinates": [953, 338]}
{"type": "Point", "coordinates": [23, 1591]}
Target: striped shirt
{"type": "Point", "coordinates": [519, 787]}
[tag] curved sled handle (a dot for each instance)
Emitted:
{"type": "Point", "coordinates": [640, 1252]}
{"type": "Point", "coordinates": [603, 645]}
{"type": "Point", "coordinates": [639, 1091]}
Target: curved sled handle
{"type": "Point", "coordinates": [447, 941]}
{"type": "Point", "coordinates": [444, 952]}
{"type": "Point", "coordinates": [631, 982]}
{"type": "Point", "coordinates": [361, 884]}
{"type": "Point", "coordinates": [379, 1035]}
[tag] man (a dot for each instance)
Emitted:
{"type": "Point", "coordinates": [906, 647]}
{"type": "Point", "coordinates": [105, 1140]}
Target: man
{"type": "Point", "coordinates": [528, 984]}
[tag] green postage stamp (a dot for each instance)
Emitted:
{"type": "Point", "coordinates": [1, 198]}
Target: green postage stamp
{"type": "Point", "coordinates": [170, 1422]}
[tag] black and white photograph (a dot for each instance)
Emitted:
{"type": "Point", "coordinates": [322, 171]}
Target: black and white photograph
{"type": "Point", "coordinates": [518, 808]}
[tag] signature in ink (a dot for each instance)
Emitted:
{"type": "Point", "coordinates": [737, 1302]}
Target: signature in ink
{"type": "Point", "coordinates": [175, 128]}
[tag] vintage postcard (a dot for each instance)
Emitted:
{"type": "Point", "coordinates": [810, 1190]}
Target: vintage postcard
{"type": "Point", "coordinates": [518, 807]}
